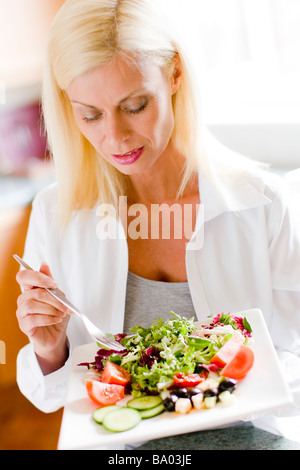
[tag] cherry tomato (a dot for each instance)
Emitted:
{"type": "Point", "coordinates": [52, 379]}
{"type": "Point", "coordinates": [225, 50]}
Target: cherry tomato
{"type": "Point", "coordinates": [239, 366]}
{"type": "Point", "coordinates": [114, 374]}
{"type": "Point", "coordinates": [104, 394]}
{"type": "Point", "coordinates": [182, 380]}
{"type": "Point", "coordinates": [227, 352]}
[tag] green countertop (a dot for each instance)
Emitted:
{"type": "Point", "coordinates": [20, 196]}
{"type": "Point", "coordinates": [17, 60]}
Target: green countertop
{"type": "Point", "coordinates": [232, 438]}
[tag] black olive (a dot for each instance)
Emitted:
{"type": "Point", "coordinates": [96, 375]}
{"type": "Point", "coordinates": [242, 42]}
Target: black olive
{"type": "Point", "coordinates": [227, 385]}
{"type": "Point", "coordinates": [169, 402]}
{"type": "Point", "coordinates": [180, 392]}
{"type": "Point", "coordinates": [193, 391]}
{"type": "Point", "coordinates": [211, 392]}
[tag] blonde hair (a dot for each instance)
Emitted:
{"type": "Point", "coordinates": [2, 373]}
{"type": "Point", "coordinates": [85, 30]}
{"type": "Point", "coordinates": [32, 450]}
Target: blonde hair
{"type": "Point", "coordinates": [89, 33]}
{"type": "Point", "coordinates": [86, 34]}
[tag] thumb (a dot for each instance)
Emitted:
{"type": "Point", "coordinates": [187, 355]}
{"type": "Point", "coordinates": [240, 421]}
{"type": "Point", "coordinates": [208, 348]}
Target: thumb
{"type": "Point", "coordinates": [45, 269]}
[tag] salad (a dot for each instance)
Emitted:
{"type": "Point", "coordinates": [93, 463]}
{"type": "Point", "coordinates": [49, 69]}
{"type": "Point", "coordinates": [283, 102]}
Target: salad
{"type": "Point", "coordinates": [172, 366]}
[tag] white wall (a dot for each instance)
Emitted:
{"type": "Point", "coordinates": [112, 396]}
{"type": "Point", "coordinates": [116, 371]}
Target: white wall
{"type": "Point", "coordinates": [275, 144]}
{"type": "Point", "coordinates": [246, 55]}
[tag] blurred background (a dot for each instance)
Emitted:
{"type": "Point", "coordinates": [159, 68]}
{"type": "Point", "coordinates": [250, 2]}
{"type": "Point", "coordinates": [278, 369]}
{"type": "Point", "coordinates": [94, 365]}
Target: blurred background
{"type": "Point", "coordinates": [24, 169]}
{"type": "Point", "coordinates": [246, 55]}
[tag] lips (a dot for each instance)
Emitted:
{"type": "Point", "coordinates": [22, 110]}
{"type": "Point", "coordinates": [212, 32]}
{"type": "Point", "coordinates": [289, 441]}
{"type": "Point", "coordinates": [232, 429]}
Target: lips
{"type": "Point", "coordinates": [129, 157]}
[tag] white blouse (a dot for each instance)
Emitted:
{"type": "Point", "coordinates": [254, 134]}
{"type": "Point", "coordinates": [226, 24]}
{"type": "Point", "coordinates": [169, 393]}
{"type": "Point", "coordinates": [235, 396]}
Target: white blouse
{"type": "Point", "coordinates": [244, 253]}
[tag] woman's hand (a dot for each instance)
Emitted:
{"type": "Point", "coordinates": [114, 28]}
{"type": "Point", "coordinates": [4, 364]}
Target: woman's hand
{"type": "Point", "coordinates": [43, 318]}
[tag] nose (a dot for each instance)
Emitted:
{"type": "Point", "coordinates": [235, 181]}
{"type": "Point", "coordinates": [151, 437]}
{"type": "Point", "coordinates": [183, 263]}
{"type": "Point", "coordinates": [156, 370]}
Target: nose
{"type": "Point", "coordinates": [116, 132]}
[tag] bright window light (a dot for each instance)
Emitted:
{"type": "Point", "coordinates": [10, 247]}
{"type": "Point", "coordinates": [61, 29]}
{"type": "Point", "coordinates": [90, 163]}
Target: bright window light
{"type": "Point", "coordinates": [246, 55]}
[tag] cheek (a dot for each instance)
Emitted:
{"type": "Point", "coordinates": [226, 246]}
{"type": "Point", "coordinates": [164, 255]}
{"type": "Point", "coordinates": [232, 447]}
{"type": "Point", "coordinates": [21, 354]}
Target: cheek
{"type": "Point", "coordinates": [164, 123]}
{"type": "Point", "coordinates": [80, 125]}
{"type": "Point", "coordinates": [89, 132]}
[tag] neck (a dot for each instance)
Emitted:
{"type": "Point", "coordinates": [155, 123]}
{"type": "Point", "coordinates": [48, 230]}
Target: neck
{"type": "Point", "coordinates": [160, 183]}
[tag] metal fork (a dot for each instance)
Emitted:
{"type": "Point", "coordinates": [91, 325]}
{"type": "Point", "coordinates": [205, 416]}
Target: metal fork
{"type": "Point", "coordinates": [93, 330]}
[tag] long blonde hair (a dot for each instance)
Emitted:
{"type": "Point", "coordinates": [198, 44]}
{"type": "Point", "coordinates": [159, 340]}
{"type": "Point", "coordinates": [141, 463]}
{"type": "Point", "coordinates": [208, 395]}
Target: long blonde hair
{"type": "Point", "coordinates": [89, 33]}
{"type": "Point", "coordinates": [84, 35]}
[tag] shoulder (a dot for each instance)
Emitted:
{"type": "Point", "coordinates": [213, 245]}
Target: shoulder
{"type": "Point", "coordinates": [276, 191]}
{"type": "Point", "coordinates": [280, 211]}
{"type": "Point", "coordinates": [250, 189]}
{"type": "Point", "coordinates": [46, 199]}
{"type": "Point", "coordinates": [45, 209]}
{"type": "Point", "coordinates": [275, 187]}
{"type": "Point", "coordinates": [268, 183]}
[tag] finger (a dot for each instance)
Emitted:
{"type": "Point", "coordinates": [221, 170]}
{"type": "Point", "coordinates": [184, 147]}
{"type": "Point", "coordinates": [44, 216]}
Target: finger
{"type": "Point", "coordinates": [29, 279]}
{"type": "Point", "coordinates": [31, 307]}
{"type": "Point", "coordinates": [46, 270]}
{"type": "Point", "coordinates": [32, 322]}
{"type": "Point", "coordinates": [41, 296]}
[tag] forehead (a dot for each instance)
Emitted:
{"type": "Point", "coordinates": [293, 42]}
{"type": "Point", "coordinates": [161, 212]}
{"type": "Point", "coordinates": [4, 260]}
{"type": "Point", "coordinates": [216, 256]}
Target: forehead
{"type": "Point", "coordinates": [117, 80]}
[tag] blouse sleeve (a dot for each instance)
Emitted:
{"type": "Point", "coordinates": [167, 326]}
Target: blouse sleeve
{"type": "Point", "coordinates": [47, 393]}
{"type": "Point", "coordinates": [284, 243]}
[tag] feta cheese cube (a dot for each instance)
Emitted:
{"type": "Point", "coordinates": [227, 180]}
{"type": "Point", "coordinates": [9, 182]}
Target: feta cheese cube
{"type": "Point", "coordinates": [183, 405]}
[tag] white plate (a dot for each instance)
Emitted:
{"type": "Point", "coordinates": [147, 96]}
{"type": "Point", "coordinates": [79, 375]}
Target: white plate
{"type": "Point", "coordinates": [261, 391]}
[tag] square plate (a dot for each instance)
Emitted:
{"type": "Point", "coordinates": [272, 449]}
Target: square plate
{"type": "Point", "coordinates": [261, 391]}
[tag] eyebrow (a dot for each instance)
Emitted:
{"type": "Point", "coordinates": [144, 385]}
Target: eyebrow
{"type": "Point", "coordinates": [120, 102]}
{"type": "Point", "coordinates": [83, 104]}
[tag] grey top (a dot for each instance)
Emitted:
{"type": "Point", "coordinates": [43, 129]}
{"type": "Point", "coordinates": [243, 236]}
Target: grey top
{"type": "Point", "coordinates": [147, 301]}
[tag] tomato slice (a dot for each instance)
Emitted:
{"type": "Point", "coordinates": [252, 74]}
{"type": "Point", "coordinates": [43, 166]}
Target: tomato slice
{"type": "Point", "coordinates": [239, 366]}
{"type": "Point", "coordinates": [182, 380]}
{"type": "Point", "coordinates": [227, 352]}
{"type": "Point", "coordinates": [104, 394]}
{"type": "Point", "coordinates": [115, 374]}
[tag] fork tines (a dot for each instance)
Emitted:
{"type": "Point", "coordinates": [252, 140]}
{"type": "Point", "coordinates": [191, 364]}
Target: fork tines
{"type": "Point", "coordinates": [110, 344]}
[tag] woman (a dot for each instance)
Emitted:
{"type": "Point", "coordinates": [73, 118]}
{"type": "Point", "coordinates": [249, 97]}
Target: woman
{"type": "Point", "coordinates": [120, 114]}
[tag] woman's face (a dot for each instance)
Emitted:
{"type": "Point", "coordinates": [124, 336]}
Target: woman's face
{"type": "Point", "coordinates": [126, 112]}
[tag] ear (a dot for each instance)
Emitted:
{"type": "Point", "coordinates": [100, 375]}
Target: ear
{"type": "Point", "coordinates": [177, 74]}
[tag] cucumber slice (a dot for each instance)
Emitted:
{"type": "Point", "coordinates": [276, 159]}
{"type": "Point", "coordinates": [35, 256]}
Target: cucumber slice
{"type": "Point", "coordinates": [152, 411]}
{"type": "Point", "coordinates": [99, 413]}
{"type": "Point", "coordinates": [144, 403]}
{"type": "Point", "coordinates": [122, 419]}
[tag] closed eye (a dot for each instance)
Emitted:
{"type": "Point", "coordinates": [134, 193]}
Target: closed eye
{"type": "Point", "coordinates": [91, 119]}
{"type": "Point", "coordinates": [125, 109]}
{"type": "Point", "coordinates": [137, 110]}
